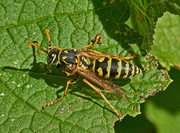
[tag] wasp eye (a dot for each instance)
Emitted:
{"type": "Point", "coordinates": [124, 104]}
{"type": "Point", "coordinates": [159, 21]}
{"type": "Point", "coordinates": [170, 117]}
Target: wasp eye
{"type": "Point", "coordinates": [52, 58]}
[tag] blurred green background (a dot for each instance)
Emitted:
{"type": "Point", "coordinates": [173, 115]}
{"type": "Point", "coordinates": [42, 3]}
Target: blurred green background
{"type": "Point", "coordinates": [160, 114]}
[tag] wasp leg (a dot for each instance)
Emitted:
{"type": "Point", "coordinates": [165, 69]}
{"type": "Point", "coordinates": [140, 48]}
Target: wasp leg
{"type": "Point", "coordinates": [72, 81]}
{"type": "Point", "coordinates": [61, 70]}
{"type": "Point", "coordinates": [99, 91]}
{"type": "Point", "coordinates": [127, 58]}
{"type": "Point", "coordinates": [97, 39]}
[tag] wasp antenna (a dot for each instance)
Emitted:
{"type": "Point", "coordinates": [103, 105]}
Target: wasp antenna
{"type": "Point", "coordinates": [37, 46]}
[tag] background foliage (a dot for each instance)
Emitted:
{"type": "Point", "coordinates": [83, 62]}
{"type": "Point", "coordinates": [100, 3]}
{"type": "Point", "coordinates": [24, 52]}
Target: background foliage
{"type": "Point", "coordinates": [127, 27]}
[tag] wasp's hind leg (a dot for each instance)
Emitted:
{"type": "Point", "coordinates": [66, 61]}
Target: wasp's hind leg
{"type": "Point", "coordinates": [99, 91]}
{"type": "Point", "coordinates": [126, 58]}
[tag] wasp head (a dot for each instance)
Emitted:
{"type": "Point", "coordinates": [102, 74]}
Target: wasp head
{"type": "Point", "coordinates": [52, 57]}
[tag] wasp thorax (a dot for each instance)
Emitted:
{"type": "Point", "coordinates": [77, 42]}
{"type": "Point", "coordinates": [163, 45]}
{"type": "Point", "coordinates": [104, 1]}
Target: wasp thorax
{"type": "Point", "coordinates": [52, 57]}
{"type": "Point", "coordinates": [68, 56]}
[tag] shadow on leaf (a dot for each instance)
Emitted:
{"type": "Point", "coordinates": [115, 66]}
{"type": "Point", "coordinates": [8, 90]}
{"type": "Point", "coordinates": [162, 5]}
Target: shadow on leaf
{"type": "Point", "coordinates": [113, 15]}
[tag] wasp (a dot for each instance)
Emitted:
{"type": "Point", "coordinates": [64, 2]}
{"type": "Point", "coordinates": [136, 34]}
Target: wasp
{"type": "Point", "coordinates": [92, 65]}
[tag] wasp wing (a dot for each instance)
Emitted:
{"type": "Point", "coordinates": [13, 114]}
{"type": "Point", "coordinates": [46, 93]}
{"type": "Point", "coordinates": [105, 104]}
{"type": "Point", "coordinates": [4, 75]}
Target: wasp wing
{"type": "Point", "coordinates": [93, 55]}
{"type": "Point", "coordinates": [107, 85]}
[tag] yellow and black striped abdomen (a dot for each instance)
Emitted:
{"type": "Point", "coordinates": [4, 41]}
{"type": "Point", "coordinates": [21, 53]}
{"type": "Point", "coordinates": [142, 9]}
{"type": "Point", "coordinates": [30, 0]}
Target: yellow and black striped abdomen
{"type": "Point", "coordinates": [114, 68]}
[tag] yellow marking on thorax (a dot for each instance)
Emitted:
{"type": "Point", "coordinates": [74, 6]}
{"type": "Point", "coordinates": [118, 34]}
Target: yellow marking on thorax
{"type": "Point", "coordinates": [64, 57]}
{"type": "Point", "coordinates": [81, 63]}
{"type": "Point", "coordinates": [93, 66]}
{"type": "Point", "coordinates": [85, 60]}
{"type": "Point", "coordinates": [65, 51]}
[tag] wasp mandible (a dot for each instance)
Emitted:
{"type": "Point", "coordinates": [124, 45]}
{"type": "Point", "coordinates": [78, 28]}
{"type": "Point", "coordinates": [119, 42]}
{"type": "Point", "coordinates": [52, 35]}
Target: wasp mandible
{"type": "Point", "coordinates": [92, 65]}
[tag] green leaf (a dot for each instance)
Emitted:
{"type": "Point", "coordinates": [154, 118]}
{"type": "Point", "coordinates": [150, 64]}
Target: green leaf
{"type": "Point", "coordinates": [144, 15]}
{"type": "Point", "coordinates": [166, 41]}
{"type": "Point", "coordinates": [163, 120]}
{"type": "Point", "coordinates": [26, 84]}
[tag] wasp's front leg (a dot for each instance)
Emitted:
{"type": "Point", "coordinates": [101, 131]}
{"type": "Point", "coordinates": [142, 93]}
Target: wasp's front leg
{"type": "Point", "coordinates": [61, 70]}
{"type": "Point", "coordinates": [72, 81]}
